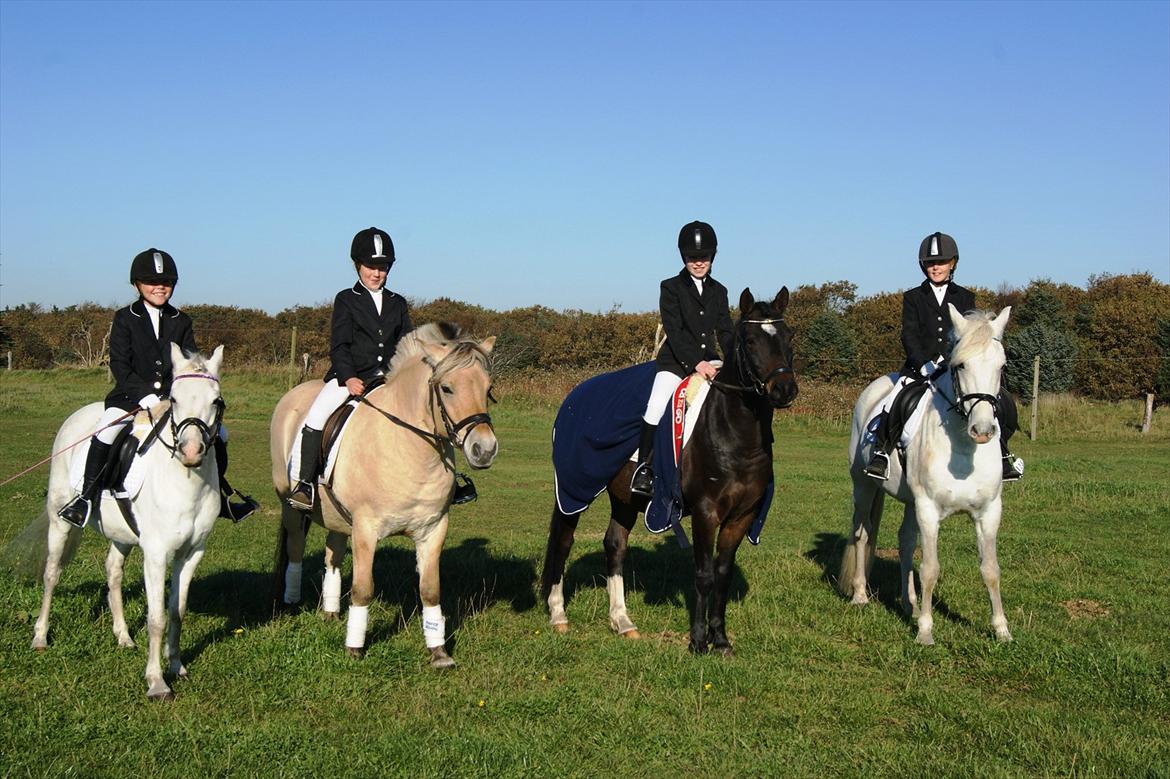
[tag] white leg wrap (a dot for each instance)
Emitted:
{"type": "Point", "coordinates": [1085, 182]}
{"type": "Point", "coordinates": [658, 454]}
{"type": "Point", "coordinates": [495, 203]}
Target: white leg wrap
{"type": "Point", "coordinates": [331, 590]}
{"type": "Point", "coordinates": [355, 626]}
{"type": "Point", "coordinates": [434, 626]}
{"type": "Point", "coordinates": [292, 583]}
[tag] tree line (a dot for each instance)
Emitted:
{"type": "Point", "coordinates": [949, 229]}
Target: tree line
{"type": "Point", "coordinates": [1109, 339]}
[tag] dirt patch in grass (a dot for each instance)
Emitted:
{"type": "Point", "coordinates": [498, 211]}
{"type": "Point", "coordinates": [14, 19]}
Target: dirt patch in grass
{"type": "Point", "coordinates": [1082, 608]}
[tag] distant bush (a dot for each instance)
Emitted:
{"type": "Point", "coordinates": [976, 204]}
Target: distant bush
{"type": "Point", "coordinates": [829, 348]}
{"type": "Point", "coordinates": [1057, 352]}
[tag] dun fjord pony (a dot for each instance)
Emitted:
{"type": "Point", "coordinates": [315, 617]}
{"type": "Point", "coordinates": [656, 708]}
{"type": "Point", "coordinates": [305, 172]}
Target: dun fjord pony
{"type": "Point", "coordinates": [952, 464]}
{"type": "Point", "coordinates": [394, 473]}
{"type": "Point", "coordinates": [725, 468]}
{"type": "Point", "coordinates": [174, 510]}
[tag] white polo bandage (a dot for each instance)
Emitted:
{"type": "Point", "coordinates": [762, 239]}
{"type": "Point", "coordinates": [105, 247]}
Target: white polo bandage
{"type": "Point", "coordinates": [331, 590]}
{"type": "Point", "coordinates": [292, 583]}
{"type": "Point", "coordinates": [434, 626]}
{"type": "Point", "coordinates": [355, 626]}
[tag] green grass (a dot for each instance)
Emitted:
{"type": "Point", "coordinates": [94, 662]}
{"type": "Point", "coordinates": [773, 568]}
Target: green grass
{"type": "Point", "coordinates": [817, 687]}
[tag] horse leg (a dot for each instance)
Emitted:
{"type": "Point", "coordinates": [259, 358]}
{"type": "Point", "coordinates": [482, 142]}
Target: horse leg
{"type": "Point", "coordinates": [365, 543]}
{"type": "Point", "coordinates": [621, 522]}
{"type": "Point", "coordinates": [907, 542]}
{"type": "Point", "coordinates": [427, 552]}
{"type": "Point", "coordinates": [58, 538]}
{"type": "Point", "coordinates": [703, 528]}
{"type": "Point", "coordinates": [154, 573]}
{"type": "Point", "coordinates": [552, 580]}
{"type": "Point", "coordinates": [928, 520]}
{"type": "Point", "coordinates": [868, 501]}
{"type": "Point", "coordinates": [986, 530]}
{"type": "Point", "coordinates": [115, 566]}
{"type": "Point", "coordinates": [290, 555]}
{"type": "Point", "coordinates": [730, 537]}
{"type": "Point", "coordinates": [182, 570]}
{"type": "Point", "coordinates": [336, 545]}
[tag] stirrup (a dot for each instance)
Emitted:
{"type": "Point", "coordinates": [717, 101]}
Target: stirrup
{"type": "Point", "coordinates": [1013, 468]}
{"type": "Point", "coordinates": [642, 482]}
{"type": "Point", "coordinates": [76, 512]}
{"type": "Point", "coordinates": [879, 466]}
{"type": "Point", "coordinates": [302, 496]}
{"type": "Point", "coordinates": [239, 510]}
{"type": "Point", "coordinates": [464, 490]}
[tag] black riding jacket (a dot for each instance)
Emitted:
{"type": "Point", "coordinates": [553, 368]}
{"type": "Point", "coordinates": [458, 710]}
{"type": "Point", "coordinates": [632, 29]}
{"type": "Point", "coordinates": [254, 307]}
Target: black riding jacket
{"type": "Point", "coordinates": [926, 326]}
{"type": "Point", "coordinates": [362, 341]}
{"type": "Point", "coordinates": [140, 362]}
{"type": "Point", "coordinates": [694, 325]}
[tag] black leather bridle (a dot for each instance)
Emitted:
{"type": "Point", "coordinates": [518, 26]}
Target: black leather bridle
{"type": "Point", "coordinates": [752, 381]}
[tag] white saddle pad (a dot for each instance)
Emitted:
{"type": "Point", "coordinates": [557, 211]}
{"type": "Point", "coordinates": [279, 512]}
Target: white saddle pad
{"type": "Point", "coordinates": [294, 457]}
{"type": "Point", "coordinates": [912, 424]}
{"type": "Point", "coordinates": [131, 485]}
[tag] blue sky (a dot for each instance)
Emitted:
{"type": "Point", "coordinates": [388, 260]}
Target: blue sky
{"type": "Point", "coordinates": [525, 153]}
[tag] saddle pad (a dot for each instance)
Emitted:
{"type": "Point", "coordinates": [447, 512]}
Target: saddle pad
{"type": "Point", "coordinates": [294, 455]}
{"type": "Point", "coordinates": [131, 485]}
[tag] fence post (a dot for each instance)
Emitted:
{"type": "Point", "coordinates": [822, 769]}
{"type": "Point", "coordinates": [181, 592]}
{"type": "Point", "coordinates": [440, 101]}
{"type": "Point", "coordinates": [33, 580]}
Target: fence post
{"type": "Point", "coordinates": [9, 359]}
{"type": "Point", "coordinates": [1149, 417]}
{"type": "Point", "coordinates": [304, 365]}
{"type": "Point", "coordinates": [1035, 396]}
{"type": "Point", "coordinates": [292, 356]}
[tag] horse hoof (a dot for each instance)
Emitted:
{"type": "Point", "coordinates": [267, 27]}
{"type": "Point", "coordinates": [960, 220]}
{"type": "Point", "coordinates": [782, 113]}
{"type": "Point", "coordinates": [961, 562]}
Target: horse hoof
{"type": "Point", "coordinates": [697, 649]}
{"type": "Point", "coordinates": [165, 695]}
{"type": "Point", "coordinates": [40, 650]}
{"type": "Point", "coordinates": [924, 639]}
{"type": "Point", "coordinates": [440, 658]}
{"type": "Point", "coordinates": [561, 627]}
{"type": "Point", "coordinates": [1004, 638]}
{"type": "Point", "coordinates": [724, 651]}
{"type": "Point", "coordinates": [127, 643]}
{"type": "Point", "coordinates": [632, 634]}
{"type": "Point", "coordinates": [356, 652]}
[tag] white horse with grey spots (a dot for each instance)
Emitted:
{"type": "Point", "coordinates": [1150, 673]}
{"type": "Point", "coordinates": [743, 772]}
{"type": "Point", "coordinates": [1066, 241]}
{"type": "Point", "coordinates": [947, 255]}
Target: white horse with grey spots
{"type": "Point", "coordinates": [952, 464]}
{"type": "Point", "coordinates": [174, 511]}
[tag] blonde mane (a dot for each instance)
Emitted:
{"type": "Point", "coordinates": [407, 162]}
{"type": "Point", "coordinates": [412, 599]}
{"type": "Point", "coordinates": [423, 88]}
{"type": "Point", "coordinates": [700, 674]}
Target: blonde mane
{"type": "Point", "coordinates": [976, 339]}
{"type": "Point", "coordinates": [462, 351]}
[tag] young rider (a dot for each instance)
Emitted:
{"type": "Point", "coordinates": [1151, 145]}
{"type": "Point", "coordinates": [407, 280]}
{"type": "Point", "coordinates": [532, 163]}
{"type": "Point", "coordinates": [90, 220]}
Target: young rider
{"type": "Point", "coordinates": [926, 333]}
{"type": "Point", "coordinates": [140, 360]}
{"type": "Point", "coordinates": [695, 315]}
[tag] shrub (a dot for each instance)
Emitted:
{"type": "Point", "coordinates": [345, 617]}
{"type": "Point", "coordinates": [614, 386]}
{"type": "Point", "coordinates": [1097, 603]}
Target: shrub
{"type": "Point", "coordinates": [1057, 352]}
{"type": "Point", "coordinates": [829, 347]}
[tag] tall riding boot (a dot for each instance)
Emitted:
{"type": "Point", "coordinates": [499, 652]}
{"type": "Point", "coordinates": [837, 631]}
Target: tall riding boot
{"type": "Point", "coordinates": [1013, 467]}
{"type": "Point", "coordinates": [76, 512]}
{"type": "Point", "coordinates": [1009, 423]}
{"type": "Point", "coordinates": [237, 510]}
{"type": "Point", "coordinates": [879, 462]}
{"type": "Point", "coordinates": [643, 481]}
{"type": "Point", "coordinates": [301, 498]}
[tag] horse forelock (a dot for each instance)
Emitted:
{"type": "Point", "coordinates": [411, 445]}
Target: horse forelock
{"type": "Point", "coordinates": [976, 339]}
{"type": "Point", "coordinates": [461, 350]}
{"type": "Point", "coordinates": [466, 353]}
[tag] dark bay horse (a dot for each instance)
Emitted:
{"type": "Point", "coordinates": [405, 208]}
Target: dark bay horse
{"type": "Point", "coordinates": [725, 469]}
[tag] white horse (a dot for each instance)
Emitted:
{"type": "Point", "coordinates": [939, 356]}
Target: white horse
{"type": "Point", "coordinates": [174, 511]}
{"type": "Point", "coordinates": [952, 464]}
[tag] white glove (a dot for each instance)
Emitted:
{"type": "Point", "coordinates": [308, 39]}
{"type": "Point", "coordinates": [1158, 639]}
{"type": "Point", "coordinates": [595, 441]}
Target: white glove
{"type": "Point", "coordinates": [150, 401]}
{"type": "Point", "coordinates": [928, 368]}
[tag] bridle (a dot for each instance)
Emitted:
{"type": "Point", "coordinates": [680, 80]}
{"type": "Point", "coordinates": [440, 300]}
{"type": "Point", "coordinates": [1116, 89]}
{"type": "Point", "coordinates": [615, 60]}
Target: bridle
{"type": "Point", "coordinates": [974, 398]}
{"type": "Point", "coordinates": [467, 424]}
{"type": "Point", "coordinates": [207, 432]}
{"type": "Point", "coordinates": [752, 382]}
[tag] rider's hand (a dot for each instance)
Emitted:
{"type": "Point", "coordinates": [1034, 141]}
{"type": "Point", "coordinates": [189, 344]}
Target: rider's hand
{"type": "Point", "coordinates": [706, 370]}
{"type": "Point", "coordinates": [355, 386]}
{"type": "Point", "coordinates": [928, 368]}
{"type": "Point", "coordinates": [150, 401]}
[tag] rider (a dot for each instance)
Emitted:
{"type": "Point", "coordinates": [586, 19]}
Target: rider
{"type": "Point", "coordinates": [695, 315]}
{"type": "Point", "coordinates": [926, 333]}
{"type": "Point", "coordinates": [140, 360]}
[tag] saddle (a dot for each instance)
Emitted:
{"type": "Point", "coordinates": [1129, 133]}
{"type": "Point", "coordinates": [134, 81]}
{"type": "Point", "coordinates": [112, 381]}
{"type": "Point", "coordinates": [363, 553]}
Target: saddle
{"type": "Point", "coordinates": [903, 408]}
{"type": "Point", "coordinates": [335, 424]}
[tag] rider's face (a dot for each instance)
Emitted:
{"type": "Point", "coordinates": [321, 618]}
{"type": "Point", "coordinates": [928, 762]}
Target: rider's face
{"type": "Point", "coordinates": [156, 295]}
{"type": "Point", "coordinates": [939, 271]}
{"type": "Point", "coordinates": [373, 277]}
{"type": "Point", "coordinates": [698, 266]}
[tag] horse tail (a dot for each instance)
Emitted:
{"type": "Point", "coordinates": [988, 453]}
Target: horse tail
{"type": "Point", "coordinates": [847, 569]}
{"type": "Point", "coordinates": [25, 556]}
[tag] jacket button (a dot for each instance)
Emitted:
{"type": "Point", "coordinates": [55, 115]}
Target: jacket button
{"type": "Point", "coordinates": [379, 344]}
{"type": "Point", "coordinates": [158, 385]}
{"type": "Point", "coordinates": [701, 312]}
{"type": "Point", "coordinates": [703, 346]}
{"type": "Point", "coordinates": [158, 362]}
{"type": "Point", "coordinates": [940, 329]}
{"type": "Point", "coordinates": [379, 358]}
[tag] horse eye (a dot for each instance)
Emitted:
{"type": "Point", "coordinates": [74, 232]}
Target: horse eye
{"type": "Point", "coordinates": [447, 389]}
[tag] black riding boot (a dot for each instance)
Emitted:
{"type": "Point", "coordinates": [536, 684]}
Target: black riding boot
{"type": "Point", "coordinates": [879, 462]}
{"type": "Point", "coordinates": [1013, 467]}
{"type": "Point", "coordinates": [643, 481]}
{"type": "Point", "coordinates": [464, 490]}
{"type": "Point", "coordinates": [235, 511]}
{"type": "Point", "coordinates": [301, 498]}
{"type": "Point", "coordinates": [76, 511]}
{"type": "Point", "coordinates": [1009, 423]}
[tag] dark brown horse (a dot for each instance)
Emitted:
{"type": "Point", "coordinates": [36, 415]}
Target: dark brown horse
{"type": "Point", "coordinates": [725, 469]}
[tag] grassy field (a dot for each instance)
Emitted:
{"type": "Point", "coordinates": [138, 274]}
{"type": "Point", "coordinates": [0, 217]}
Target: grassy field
{"type": "Point", "coordinates": [817, 688]}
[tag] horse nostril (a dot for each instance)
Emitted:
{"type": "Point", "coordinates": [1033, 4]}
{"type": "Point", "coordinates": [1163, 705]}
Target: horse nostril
{"type": "Point", "coordinates": [476, 450]}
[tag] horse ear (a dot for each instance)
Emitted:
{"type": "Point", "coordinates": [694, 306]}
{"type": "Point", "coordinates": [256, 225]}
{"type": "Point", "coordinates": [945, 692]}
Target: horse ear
{"type": "Point", "coordinates": [177, 356]}
{"type": "Point", "coordinates": [215, 361]}
{"type": "Point", "coordinates": [746, 300]}
{"type": "Point", "coordinates": [958, 321]}
{"type": "Point", "coordinates": [781, 301]}
{"type": "Point", "coordinates": [487, 344]}
{"type": "Point", "coordinates": [999, 323]}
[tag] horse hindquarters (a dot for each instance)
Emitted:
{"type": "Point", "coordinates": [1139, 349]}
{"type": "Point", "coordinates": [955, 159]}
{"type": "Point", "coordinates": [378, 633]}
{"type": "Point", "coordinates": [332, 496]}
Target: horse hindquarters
{"type": "Point", "coordinates": [561, 530]}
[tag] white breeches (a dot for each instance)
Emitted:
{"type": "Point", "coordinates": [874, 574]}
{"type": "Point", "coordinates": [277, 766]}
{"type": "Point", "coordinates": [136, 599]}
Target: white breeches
{"type": "Point", "coordinates": [108, 435]}
{"type": "Point", "coordinates": [665, 383]}
{"type": "Point", "coordinates": [330, 397]}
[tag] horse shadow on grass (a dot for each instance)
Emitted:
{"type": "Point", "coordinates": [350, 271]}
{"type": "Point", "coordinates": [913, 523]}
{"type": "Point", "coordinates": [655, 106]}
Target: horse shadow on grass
{"type": "Point", "coordinates": [884, 578]}
{"type": "Point", "coordinates": [664, 574]}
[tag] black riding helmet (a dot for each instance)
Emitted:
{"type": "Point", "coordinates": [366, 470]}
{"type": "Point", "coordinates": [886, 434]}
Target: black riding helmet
{"type": "Point", "coordinates": [938, 246]}
{"type": "Point", "coordinates": [154, 266]}
{"type": "Point", "coordinates": [372, 247]}
{"type": "Point", "coordinates": [697, 239]}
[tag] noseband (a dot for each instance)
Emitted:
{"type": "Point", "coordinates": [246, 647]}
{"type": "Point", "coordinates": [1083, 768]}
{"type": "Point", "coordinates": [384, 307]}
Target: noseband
{"type": "Point", "coordinates": [752, 381]}
{"type": "Point", "coordinates": [974, 398]}
{"type": "Point", "coordinates": [206, 432]}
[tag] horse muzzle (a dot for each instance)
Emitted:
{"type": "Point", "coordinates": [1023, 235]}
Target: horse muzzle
{"type": "Point", "coordinates": [783, 393]}
{"type": "Point", "coordinates": [480, 447]}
